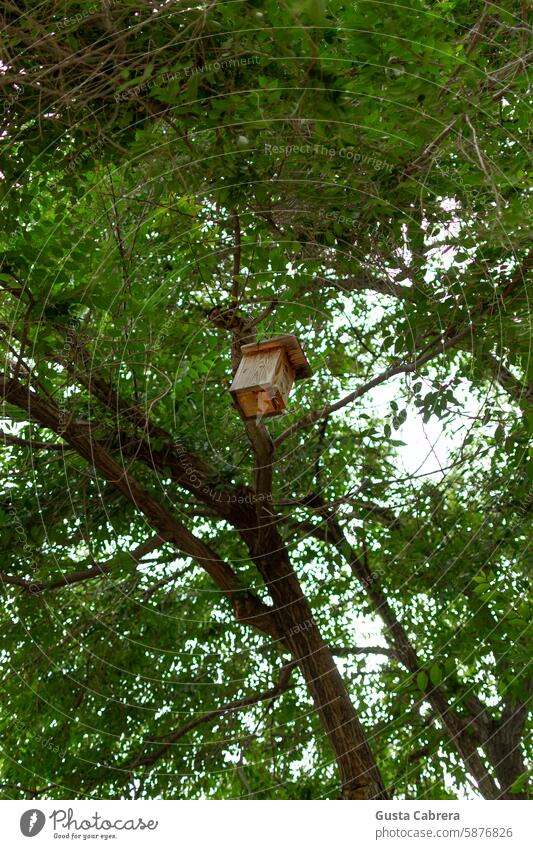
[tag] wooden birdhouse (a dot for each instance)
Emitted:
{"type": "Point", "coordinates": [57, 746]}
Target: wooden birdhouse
{"type": "Point", "coordinates": [265, 376]}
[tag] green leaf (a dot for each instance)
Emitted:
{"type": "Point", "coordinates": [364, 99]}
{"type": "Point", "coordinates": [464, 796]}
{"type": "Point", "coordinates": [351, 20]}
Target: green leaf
{"type": "Point", "coordinates": [521, 782]}
{"type": "Point", "coordinates": [422, 681]}
{"type": "Point", "coordinates": [435, 674]}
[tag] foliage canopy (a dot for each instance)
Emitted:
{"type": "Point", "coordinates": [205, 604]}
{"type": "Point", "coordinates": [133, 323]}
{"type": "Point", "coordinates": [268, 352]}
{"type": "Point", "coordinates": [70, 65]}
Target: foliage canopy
{"type": "Point", "coordinates": [177, 179]}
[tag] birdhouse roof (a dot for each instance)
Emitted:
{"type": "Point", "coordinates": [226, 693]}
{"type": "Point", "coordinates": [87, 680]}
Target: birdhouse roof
{"type": "Point", "coordinates": [293, 349]}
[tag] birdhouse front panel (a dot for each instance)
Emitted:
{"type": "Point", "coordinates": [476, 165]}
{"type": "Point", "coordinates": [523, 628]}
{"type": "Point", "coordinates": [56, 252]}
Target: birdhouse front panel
{"type": "Point", "coordinates": [266, 374]}
{"type": "Point", "coordinates": [262, 383]}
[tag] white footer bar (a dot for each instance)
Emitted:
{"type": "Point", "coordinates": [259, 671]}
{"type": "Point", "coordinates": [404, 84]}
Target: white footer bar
{"type": "Point", "coordinates": [266, 824]}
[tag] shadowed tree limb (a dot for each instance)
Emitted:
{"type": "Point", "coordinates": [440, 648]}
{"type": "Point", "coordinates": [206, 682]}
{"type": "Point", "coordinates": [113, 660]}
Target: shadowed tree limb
{"type": "Point", "coordinates": [449, 339]}
{"type": "Point", "coordinates": [247, 608]}
{"type": "Point", "coordinates": [166, 741]}
{"type": "Point", "coordinates": [520, 392]}
{"type": "Point", "coordinates": [236, 257]}
{"type": "Point", "coordinates": [35, 588]}
{"type": "Point", "coordinates": [360, 777]}
{"type": "Point", "coordinates": [353, 650]}
{"type": "Point", "coordinates": [437, 348]}
{"type": "Point", "coordinates": [11, 439]}
{"type": "Point", "coordinates": [460, 732]}
{"type": "Point", "coordinates": [364, 282]}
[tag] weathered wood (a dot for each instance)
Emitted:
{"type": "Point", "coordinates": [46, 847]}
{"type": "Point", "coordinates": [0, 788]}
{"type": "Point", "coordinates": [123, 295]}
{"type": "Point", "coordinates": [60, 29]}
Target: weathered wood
{"type": "Point", "coordinates": [265, 376]}
{"type": "Point", "coordinates": [257, 369]}
{"type": "Point", "coordinates": [293, 349]}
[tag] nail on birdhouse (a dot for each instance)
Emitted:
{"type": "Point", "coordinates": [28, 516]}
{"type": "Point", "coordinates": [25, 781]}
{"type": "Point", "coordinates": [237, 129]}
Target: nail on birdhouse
{"type": "Point", "coordinates": [265, 376]}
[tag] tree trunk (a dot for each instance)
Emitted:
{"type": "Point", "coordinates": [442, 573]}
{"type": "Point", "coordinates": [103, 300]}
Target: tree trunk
{"type": "Point", "coordinates": [359, 774]}
{"type": "Point", "coordinates": [503, 747]}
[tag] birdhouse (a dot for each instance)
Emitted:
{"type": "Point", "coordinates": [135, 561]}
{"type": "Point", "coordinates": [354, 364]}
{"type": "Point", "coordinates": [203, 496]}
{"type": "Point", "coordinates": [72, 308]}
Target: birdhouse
{"type": "Point", "coordinates": [265, 376]}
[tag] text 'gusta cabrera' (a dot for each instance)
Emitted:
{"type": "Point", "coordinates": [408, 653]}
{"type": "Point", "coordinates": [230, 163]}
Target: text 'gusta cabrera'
{"type": "Point", "coordinates": [417, 815]}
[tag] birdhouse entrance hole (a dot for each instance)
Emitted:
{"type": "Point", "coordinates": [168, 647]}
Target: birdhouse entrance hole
{"type": "Point", "coordinates": [265, 376]}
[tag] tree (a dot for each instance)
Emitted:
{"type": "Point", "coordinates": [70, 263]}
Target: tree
{"type": "Point", "coordinates": [185, 595]}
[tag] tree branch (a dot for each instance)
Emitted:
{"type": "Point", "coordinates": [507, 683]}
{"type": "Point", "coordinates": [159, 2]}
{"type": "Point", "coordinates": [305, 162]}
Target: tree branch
{"type": "Point", "coordinates": [427, 152]}
{"type": "Point", "coordinates": [273, 693]}
{"type": "Point", "coordinates": [236, 258]}
{"type": "Point", "coordinates": [186, 469]}
{"type": "Point", "coordinates": [247, 608]}
{"type": "Point", "coordinates": [519, 392]}
{"type": "Point", "coordinates": [447, 340]}
{"type": "Point", "coordinates": [353, 650]}
{"type": "Point", "coordinates": [35, 588]}
{"type": "Point", "coordinates": [363, 283]}
{"type": "Point", "coordinates": [461, 733]}
{"type": "Point", "coordinates": [10, 439]}
{"type": "Point", "coordinates": [440, 347]}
